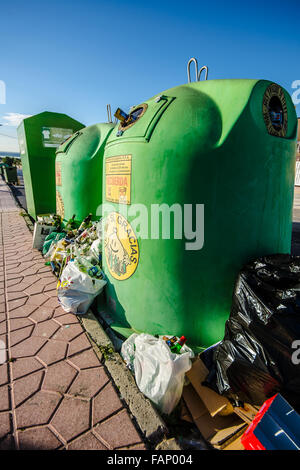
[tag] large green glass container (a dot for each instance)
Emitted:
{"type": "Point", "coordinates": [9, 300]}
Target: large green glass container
{"type": "Point", "coordinates": [78, 166]}
{"type": "Point", "coordinates": [226, 144]}
{"type": "Point", "coordinates": [39, 136]}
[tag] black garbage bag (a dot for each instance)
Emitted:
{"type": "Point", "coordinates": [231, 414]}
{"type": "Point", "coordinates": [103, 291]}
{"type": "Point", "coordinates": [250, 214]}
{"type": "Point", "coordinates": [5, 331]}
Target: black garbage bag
{"type": "Point", "coordinates": [257, 357]}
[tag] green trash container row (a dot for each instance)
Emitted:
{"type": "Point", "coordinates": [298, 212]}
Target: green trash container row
{"type": "Point", "coordinates": [226, 147]}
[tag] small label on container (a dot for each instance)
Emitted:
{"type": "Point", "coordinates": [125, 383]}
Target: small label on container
{"type": "Point", "coordinates": [118, 179]}
{"type": "Point", "coordinates": [54, 136]}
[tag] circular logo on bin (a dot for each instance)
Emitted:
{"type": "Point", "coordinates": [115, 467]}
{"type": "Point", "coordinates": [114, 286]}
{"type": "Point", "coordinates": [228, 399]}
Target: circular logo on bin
{"type": "Point", "coordinates": [60, 208]}
{"type": "Point", "coordinates": [275, 110]}
{"type": "Point", "coordinates": [120, 246]}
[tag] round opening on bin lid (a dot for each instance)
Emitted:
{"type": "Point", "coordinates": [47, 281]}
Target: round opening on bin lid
{"type": "Point", "coordinates": [134, 116]}
{"type": "Point", "coordinates": [276, 113]}
{"type": "Point", "coordinates": [275, 110]}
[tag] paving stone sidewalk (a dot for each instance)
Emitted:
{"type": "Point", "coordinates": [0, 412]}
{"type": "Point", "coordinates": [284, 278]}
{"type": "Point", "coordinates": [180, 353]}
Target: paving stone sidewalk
{"type": "Point", "coordinates": [54, 392]}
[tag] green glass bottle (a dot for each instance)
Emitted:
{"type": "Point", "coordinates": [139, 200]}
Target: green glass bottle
{"type": "Point", "coordinates": [71, 224]}
{"type": "Point", "coordinates": [86, 223]}
{"type": "Point", "coordinates": [176, 347]}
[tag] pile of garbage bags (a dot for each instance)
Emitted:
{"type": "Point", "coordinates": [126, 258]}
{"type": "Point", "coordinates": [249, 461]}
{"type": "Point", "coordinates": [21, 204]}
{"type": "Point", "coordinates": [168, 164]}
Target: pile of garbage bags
{"type": "Point", "coordinates": [255, 360]}
{"type": "Point", "coordinates": [258, 356]}
{"type": "Point", "coordinates": [75, 257]}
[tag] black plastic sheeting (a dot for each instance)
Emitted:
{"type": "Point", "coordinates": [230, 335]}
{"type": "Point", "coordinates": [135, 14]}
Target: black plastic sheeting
{"type": "Point", "coordinates": [257, 359]}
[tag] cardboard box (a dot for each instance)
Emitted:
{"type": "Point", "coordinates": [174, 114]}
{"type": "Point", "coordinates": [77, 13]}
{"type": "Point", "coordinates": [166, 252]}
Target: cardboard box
{"type": "Point", "coordinates": [218, 421]}
{"type": "Point", "coordinates": [246, 413]}
{"type": "Point", "coordinates": [218, 430]}
{"type": "Point", "coordinates": [235, 445]}
{"type": "Point", "coordinates": [185, 415]}
{"type": "Point", "coordinates": [214, 402]}
{"type": "Point", "coordinates": [39, 234]}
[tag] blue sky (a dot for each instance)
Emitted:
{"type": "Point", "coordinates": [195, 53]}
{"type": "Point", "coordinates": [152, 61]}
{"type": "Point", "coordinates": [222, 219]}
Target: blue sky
{"type": "Point", "coordinates": [76, 56]}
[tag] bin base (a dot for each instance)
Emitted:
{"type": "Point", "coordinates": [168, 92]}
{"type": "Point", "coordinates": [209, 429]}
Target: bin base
{"type": "Point", "coordinates": [107, 316]}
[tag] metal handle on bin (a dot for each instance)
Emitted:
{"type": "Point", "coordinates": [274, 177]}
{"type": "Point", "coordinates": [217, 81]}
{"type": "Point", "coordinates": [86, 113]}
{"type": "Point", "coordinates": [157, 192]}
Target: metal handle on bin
{"type": "Point", "coordinates": [206, 73]}
{"type": "Point", "coordinates": [198, 74]}
{"type": "Point", "coordinates": [192, 59]}
{"type": "Point", "coordinates": [109, 113]}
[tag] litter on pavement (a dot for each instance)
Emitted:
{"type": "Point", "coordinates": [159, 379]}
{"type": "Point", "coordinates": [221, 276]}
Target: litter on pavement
{"type": "Point", "coordinates": [234, 392]}
{"type": "Point", "coordinates": [74, 255]}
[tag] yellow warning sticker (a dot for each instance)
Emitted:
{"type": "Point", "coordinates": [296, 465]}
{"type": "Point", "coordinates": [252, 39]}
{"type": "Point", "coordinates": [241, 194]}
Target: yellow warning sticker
{"type": "Point", "coordinates": [118, 179]}
{"type": "Point", "coordinates": [120, 246]}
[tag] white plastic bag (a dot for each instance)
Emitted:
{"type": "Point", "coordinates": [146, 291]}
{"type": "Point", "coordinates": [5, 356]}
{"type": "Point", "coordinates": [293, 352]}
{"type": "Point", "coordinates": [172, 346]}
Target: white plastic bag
{"type": "Point", "coordinates": [96, 250]}
{"type": "Point", "coordinates": [76, 290]}
{"type": "Point", "coordinates": [159, 373]}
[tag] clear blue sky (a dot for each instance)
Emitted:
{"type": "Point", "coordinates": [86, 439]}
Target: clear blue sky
{"type": "Point", "coordinates": [76, 56]}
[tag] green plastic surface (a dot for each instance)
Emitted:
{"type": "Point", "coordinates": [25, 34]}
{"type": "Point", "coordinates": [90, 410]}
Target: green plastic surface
{"type": "Point", "coordinates": [203, 143]}
{"type": "Point", "coordinates": [79, 163]}
{"type": "Point", "coordinates": [39, 136]}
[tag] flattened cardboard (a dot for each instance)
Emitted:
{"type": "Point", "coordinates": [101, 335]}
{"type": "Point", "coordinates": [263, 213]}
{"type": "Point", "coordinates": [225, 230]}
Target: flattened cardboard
{"type": "Point", "coordinates": [246, 413]}
{"type": "Point", "coordinates": [185, 415]}
{"type": "Point", "coordinates": [214, 402]}
{"type": "Point", "coordinates": [218, 429]}
{"type": "Point", "coordinates": [234, 445]}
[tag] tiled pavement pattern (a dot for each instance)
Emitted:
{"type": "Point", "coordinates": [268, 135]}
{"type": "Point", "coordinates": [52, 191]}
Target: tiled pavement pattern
{"type": "Point", "coordinates": [54, 393]}
{"type": "Point", "coordinates": [7, 202]}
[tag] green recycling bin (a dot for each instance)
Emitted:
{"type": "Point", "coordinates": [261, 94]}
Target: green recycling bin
{"type": "Point", "coordinates": [10, 174]}
{"type": "Point", "coordinates": [78, 169]}
{"type": "Point", "coordinates": [39, 136]}
{"type": "Point", "coordinates": [217, 158]}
